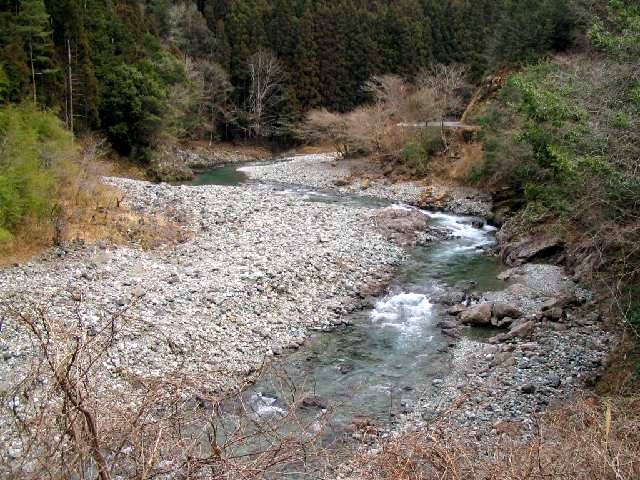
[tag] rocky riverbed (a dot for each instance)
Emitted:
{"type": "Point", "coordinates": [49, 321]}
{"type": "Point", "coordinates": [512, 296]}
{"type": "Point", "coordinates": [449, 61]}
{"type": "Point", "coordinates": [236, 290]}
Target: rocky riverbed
{"type": "Point", "coordinates": [359, 177]}
{"type": "Point", "coordinates": [325, 171]}
{"type": "Point", "coordinates": [259, 271]}
{"type": "Point", "coordinates": [551, 348]}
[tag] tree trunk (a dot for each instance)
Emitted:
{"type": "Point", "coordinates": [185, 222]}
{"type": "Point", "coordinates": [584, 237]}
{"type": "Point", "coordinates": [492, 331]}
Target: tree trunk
{"type": "Point", "coordinates": [33, 73]}
{"type": "Point", "coordinates": [70, 90]}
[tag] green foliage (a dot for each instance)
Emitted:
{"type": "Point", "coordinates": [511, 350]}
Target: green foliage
{"type": "Point", "coordinates": [621, 120]}
{"type": "Point", "coordinates": [329, 49]}
{"type": "Point", "coordinates": [565, 133]}
{"type": "Point", "coordinates": [417, 152]}
{"type": "Point", "coordinates": [618, 33]}
{"type": "Point", "coordinates": [133, 105]}
{"type": "Point", "coordinates": [528, 29]}
{"type": "Point", "coordinates": [32, 144]}
{"type": "Point", "coordinates": [4, 85]}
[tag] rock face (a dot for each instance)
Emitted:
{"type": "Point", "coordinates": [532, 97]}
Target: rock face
{"type": "Point", "coordinates": [530, 248]}
{"type": "Point", "coordinates": [404, 226]}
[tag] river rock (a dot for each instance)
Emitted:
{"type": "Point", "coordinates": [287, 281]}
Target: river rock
{"type": "Point", "coordinates": [456, 310]}
{"type": "Point", "coordinates": [448, 324]}
{"type": "Point", "coordinates": [314, 401]}
{"type": "Point", "coordinates": [530, 248]}
{"type": "Point", "coordinates": [521, 328]}
{"type": "Point", "coordinates": [502, 310]}
{"type": "Point", "coordinates": [401, 225]}
{"type": "Point", "coordinates": [560, 302]}
{"type": "Point", "coordinates": [451, 298]}
{"type": "Point", "coordinates": [528, 389]}
{"type": "Point", "coordinates": [554, 314]}
{"type": "Point", "coordinates": [479, 315]}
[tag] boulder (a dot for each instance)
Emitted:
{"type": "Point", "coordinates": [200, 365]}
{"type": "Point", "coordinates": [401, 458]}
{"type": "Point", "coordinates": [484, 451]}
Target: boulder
{"type": "Point", "coordinates": [452, 298]}
{"type": "Point", "coordinates": [501, 337]}
{"type": "Point", "coordinates": [504, 322]}
{"type": "Point", "coordinates": [503, 359]}
{"type": "Point", "coordinates": [479, 315]}
{"type": "Point", "coordinates": [554, 314]}
{"type": "Point", "coordinates": [456, 310]}
{"type": "Point", "coordinates": [523, 251]}
{"type": "Point", "coordinates": [313, 401]}
{"type": "Point", "coordinates": [521, 329]}
{"type": "Point", "coordinates": [448, 324]}
{"type": "Point", "coordinates": [401, 225]}
{"type": "Point", "coordinates": [504, 276]}
{"type": "Point", "coordinates": [502, 310]}
{"type": "Point", "coordinates": [560, 302]}
{"type": "Point", "coordinates": [528, 389]}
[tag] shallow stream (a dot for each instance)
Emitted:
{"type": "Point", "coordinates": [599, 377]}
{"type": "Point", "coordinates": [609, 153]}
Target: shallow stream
{"type": "Point", "coordinates": [373, 370]}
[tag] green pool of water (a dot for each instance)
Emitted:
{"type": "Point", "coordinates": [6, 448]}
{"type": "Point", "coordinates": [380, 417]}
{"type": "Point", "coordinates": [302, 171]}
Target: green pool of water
{"type": "Point", "coordinates": [227, 175]}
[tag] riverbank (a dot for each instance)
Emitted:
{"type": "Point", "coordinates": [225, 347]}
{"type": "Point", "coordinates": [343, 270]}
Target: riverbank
{"type": "Point", "coordinates": [258, 272]}
{"type": "Point", "coordinates": [553, 349]}
{"type": "Point", "coordinates": [258, 269]}
{"type": "Point", "coordinates": [365, 178]}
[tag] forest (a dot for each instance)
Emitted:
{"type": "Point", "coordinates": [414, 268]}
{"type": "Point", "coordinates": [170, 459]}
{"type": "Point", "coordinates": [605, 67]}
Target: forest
{"type": "Point", "coordinates": [145, 72]}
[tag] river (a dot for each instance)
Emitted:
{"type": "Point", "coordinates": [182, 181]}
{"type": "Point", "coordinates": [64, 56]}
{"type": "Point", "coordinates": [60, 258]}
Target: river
{"type": "Point", "coordinates": [371, 371]}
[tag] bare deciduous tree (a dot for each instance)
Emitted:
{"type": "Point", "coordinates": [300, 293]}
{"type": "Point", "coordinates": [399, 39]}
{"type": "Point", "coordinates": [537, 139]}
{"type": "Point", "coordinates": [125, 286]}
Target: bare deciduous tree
{"type": "Point", "coordinates": [444, 81]}
{"type": "Point", "coordinates": [216, 90]}
{"type": "Point", "coordinates": [265, 92]}
{"type": "Point", "coordinates": [375, 127]}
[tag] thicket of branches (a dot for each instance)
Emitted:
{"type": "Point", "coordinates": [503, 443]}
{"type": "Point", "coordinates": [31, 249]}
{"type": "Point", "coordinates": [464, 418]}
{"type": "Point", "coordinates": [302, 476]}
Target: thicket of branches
{"type": "Point", "coordinates": [64, 414]}
{"type": "Point", "coordinates": [393, 124]}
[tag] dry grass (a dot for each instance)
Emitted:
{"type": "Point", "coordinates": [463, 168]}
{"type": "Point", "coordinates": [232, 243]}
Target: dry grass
{"type": "Point", "coordinates": [86, 210]}
{"type": "Point", "coordinates": [593, 438]}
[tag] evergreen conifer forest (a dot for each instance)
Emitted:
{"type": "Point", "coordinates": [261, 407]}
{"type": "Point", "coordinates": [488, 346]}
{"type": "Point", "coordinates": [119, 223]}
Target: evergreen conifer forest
{"type": "Point", "coordinates": [136, 70]}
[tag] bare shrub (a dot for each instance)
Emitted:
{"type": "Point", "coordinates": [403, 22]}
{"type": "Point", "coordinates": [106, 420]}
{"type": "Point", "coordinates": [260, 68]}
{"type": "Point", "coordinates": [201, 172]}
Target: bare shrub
{"type": "Point", "coordinates": [444, 82]}
{"type": "Point", "coordinates": [322, 125]}
{"type": "Point", "coordinates": [379, 127]}
{"type": "Point", "coordinates": [588, 439]}
{"type": "Point", "coordinates": [66, 412]}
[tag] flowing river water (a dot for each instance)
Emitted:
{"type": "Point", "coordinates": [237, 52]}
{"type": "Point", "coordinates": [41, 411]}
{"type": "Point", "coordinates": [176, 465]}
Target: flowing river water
{"type": "Point", "coordinates": [373, 370]}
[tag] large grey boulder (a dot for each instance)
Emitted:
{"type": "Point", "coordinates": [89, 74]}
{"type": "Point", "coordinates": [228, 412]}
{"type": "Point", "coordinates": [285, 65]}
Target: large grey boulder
{"type": "Point", "coordinates": [503, 310]}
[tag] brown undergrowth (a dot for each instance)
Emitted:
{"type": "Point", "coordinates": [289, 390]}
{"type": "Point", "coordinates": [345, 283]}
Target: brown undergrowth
{"type": "Point", "coordinates": [87, 210]}
{"type": "Point", "coordinates": [589, 439]}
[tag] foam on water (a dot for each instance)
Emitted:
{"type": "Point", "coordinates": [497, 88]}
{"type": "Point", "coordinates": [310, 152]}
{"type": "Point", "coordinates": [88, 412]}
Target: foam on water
{"type": "Point", "coordinates": [402, 206]}
{"type": "Point", "coordinates": [407, 312]}
{"type": "Point", "coordinates": [462, 228]}
{"type": "Point", "coordinates": [264, 406]}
